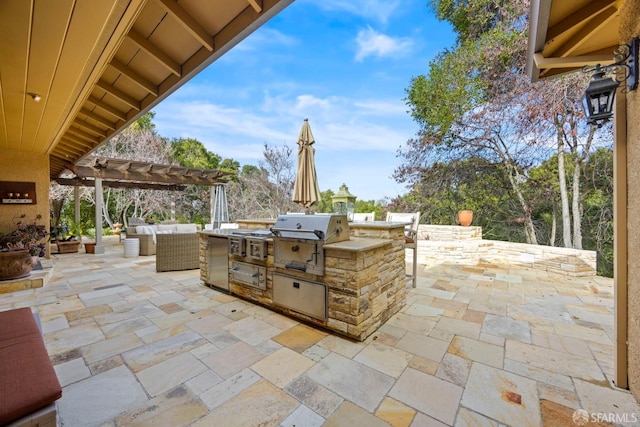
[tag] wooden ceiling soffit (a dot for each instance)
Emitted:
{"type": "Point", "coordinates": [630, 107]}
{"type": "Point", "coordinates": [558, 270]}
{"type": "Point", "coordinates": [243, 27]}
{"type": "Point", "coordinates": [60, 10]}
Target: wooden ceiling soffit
{"type": "Point", "coordinates": [129, 100]}
{"type": "Point", "coordinates": [68, 150]}
{"type": "Point", "coordinates": [84, 182]}
{"type": "Point", "coordinates": [592, 28]}
{"type": "Point", "coordinates": [98, 118]}
{"type": "Point", "coordinates": [73, 140]}
{"type": "Point", "coordinates": [579, 17]}
{"type": "Point", "coordinates": [112, 107]}
{"type": "Point", "coordinates": [134, 77]}
{"type": "Point", "coordinates": [119, 115]}
{"type": "Point", "coordinates": [81, 134]}
{"type": "Point", "coordinates": [155, 52]}
{"type": "Point", "coordinates": [256, 5]}
{"type": "Point", "coordinates": [95, 130]}
{"type": "Point", "coordinates": [188, 23]}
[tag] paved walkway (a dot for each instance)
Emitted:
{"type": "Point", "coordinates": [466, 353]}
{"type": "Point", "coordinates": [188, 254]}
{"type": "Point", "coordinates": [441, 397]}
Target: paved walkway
{"type": "Point", "coordinates": [474, 346]}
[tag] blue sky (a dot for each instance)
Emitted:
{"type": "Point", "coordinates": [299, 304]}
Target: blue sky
{"type": "Point", "coordinates": [343, 64]}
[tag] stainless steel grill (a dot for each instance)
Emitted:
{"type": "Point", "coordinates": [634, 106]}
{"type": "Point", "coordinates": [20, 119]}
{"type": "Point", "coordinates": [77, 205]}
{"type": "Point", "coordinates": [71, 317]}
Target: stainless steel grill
{"type": "Point", "coordinates": [251, 244]}
{"type": "Point", "coordinates": [328, 228]}
{"type": "Point", "coordinates": [245, 248]}
{"type": "Point", "coordinates": [299, 240]}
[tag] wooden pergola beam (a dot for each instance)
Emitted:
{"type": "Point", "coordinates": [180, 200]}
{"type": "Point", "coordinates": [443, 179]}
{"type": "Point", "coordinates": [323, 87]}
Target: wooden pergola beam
{"type": "Point", "coordinates": [82, 182]}
{"type": "Point", "coordinates": [129, 170]}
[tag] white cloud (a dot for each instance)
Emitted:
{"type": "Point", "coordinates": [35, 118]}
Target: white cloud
{"type": "Point", "coordinates": [378, 10]}
{"type": "Point", "coordinates": [372, 43]}
{"type": "Point", "coordinates": [338, 123]}
{"type": "Point", "coordinates": [356, 139]}
{"type": "Point", "coordinates": [265, 37]}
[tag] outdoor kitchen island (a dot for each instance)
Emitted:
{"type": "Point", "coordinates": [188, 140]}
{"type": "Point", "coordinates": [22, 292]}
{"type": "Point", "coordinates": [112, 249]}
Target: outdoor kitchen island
{"type": "Point", "coordinates": [351, 286]}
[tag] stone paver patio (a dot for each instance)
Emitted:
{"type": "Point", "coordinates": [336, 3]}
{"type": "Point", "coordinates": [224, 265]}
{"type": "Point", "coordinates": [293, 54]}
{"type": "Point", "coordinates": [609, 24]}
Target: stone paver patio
{"type": "Point", "coordinates": [474, 346]}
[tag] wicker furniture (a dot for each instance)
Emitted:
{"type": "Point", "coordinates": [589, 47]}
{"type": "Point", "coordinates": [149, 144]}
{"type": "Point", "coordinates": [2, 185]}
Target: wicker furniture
{"type": "Point", "coordinates": [177, 251]}
{"type": "Point", "coordinates": [147, 234]}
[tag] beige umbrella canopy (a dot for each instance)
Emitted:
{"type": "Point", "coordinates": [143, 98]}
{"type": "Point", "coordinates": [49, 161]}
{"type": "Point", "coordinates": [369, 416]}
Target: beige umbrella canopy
{"type": "Point", "coordinates": [305, 190]}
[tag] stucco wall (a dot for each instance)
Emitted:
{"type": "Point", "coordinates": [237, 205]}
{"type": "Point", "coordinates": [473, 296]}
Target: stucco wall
{"type": "Point", "coordinates": [25, 167]}
{"type": "Point", "coordinates": [633, 240]}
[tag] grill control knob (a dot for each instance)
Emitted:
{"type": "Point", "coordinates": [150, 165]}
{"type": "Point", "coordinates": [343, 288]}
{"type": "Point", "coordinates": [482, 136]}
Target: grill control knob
{"type": "Point", "coordinates": [295, 248]}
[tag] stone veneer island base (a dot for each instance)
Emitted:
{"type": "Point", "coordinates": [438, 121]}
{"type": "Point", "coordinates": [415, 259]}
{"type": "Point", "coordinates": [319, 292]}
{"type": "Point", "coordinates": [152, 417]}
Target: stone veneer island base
{"type": "Point", "coordinates": [364, 276]}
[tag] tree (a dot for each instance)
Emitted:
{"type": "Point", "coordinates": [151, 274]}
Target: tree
{"type": "Point", "coordinates": [482, 186]}
{"type": "Point", "coordinates": [555, 111]}
{"type": "Point", "coordinates": [475, 100]}
{"type": "Point", "coordinates": [138, 142]}
{"type": "Point", "coordinates": [264, 191]}
{"type": "Point", "coordinates": [194, 202]}
{"type": "Point", "coordinates": [473, 94]}
{"type": "Point", "coordinates": [598, 207]}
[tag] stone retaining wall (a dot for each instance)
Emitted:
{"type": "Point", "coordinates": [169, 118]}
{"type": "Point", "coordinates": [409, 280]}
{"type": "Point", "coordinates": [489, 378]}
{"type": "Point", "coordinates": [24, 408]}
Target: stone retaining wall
{"type": "Point", "coordinates": [448, 232]}
{"type": "Point", "coordinates": [440, 244]}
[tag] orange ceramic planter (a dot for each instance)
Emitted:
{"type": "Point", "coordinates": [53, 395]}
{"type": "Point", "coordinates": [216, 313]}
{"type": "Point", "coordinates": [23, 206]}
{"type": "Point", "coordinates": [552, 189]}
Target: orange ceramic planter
{"type": "Point", "coordinates": [465, 217]}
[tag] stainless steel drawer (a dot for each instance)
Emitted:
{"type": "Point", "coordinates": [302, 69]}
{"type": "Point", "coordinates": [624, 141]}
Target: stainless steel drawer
{"type": "Point", "coordinates": [249, 274]}
{"type": "Point", "coordinates": [303, 296]}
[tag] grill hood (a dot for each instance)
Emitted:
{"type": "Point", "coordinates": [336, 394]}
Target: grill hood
{"type": "Point", "coordinates": [328, 228]}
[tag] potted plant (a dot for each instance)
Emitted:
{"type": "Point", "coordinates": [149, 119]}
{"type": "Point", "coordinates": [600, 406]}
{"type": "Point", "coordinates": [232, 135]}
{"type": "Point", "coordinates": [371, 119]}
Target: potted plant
{"type": "Point", "coordinates": [70, 239]}
{"type": "Point", "coordinates": [90, 247]}
{"type": "Point", "coordinates": [21, 247]}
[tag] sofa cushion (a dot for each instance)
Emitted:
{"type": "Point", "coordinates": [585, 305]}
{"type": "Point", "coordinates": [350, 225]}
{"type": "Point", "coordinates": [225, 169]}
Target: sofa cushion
{"type": "Point", "coordinates": [146, 229]}
{"type": "Point", "coordinates": [186, 228]}
{"type": "Point", "coordinates": [167, 227]}
{"type": "Point", "coordinates": [29, 381]}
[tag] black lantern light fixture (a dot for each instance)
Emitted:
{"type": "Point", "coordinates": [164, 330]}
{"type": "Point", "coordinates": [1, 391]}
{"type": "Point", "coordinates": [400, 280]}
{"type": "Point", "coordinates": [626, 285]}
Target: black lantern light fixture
{"type": "Point", "coordinates": [600, 94]}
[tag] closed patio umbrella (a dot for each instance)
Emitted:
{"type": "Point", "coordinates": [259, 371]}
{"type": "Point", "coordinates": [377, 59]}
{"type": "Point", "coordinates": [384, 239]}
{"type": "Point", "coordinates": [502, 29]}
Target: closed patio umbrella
{"type": "Point", "coordinates": [305, 190]}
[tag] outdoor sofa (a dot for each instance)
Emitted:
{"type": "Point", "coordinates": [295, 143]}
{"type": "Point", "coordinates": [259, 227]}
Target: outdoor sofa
{"type": "Point", "coordinates": [147, 234]}
{"type": "Point", "coordinates": [177, 251]}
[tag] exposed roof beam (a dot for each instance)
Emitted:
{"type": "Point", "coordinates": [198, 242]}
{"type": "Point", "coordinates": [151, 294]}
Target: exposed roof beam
{"type": "Point", "coordinates": [107, 108]}
{"type": "Point", "coordinates": [83, 135]}
{"type": "Point", "coordinates": [588, 31]}
{"type": "Point", "coordinates": [579, 17]}
{"type": "Point", "coordinates": [98, 118]}
{"type": "Point", "coordinates": [91, 128]}
{"type": "Point", "coordinates": [162, 58]}
{"type": "Point", "coordinates": [75, 141]}
{"type": "Point", "coordinates": [134, 77]}
{"type": "Point", "coordinates": [256, 5]}
{"type": "Point", "coordinates": [130, 101]}
{"type": "Point", "coordinates": [572, 61]}
{"type": "Point", "coordinates": [184, 19]}
{"type": "Point", "coordinates": [68, 149]}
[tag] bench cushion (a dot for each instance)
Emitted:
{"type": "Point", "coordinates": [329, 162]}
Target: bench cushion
{"type": "Point", "coordinates": [29, 381]}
